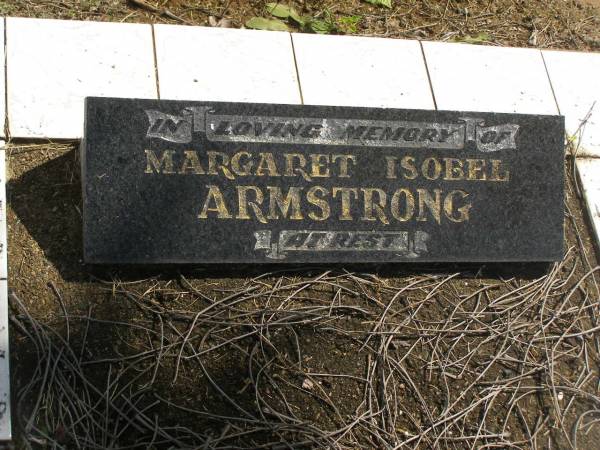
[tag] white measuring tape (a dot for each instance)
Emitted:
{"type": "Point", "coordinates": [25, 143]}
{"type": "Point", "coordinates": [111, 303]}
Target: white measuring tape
{"type": "Point", "coordinates": [5, 427]}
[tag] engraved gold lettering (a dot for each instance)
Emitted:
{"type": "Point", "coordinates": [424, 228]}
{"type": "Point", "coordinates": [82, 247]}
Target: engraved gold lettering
{"type": "Point", "coordinates": [244, 203]}
{"type": "Point", "coordinates": [408, 164]}
{"type": "Point", "coordinates": [454, 169]}
{"type": "Point", "coordinates": [191, 163]}
{"type": "Point", "coordinates": [496, 174]}
{"type": "Point", "coordinates": [278, 201]}
{"type": "Point", "coordinates": [409, 205]}
{"type": "Point", "coordinates": [475, 169]}
{"type": "Point", "coordinates": [390, 164]}
{"type": "Point", "coordinates": [343, 165]}
{"type": "Point", "coordinates": [428, 165]}
{"type": "Point", "coordinates": [267, 166]}
{"type": "Point", "coordinates": [345, 195]}
{"type": "Point", "coordinates": [371, 206]}
{"type": "Point", "coordinates": [214, 165]}
{"type": "Point", "coordinates": [433, 204]}
{"type": "Point", "coordinates": [320, 168]}
{"type": "Point", "coordinates": [241, 169]}
{"type": "Point", "coordinates": [290, 170]}
{"type": "Point", "coordinates": [153, 162]}
{"type": "Point", "coordinates": [463, 211]}
{"type": "Point", "coordinates": [323, 205]}
{"type": "Point", "coordinates": [215, 195]}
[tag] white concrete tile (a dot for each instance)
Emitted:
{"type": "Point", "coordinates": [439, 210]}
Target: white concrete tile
{"type": "Point", "coordinates": [589, 176]}
{"type": "Point", "coordinates": [54, 64]}
{"type": "Point", "coordinates": [575, 77]}
{"type": "Point", "coordinates": [5, 425]}
{"type": "Point", "coordinates": [483, 78]}
{"type": "Point", "coordinates": [220, 64]}
{"type": "Point", "coordinates": [362, 71]}
{"type": "Point", "coordinates": [2, 80]}
{"type": "Point", "coordinates": [3, 235]}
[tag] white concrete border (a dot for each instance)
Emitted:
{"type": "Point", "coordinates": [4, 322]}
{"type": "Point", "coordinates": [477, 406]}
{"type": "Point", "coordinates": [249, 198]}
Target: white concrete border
{"type": "Point", "coordinates": [575, 77]}
{"type": "Point", "coordinates": [2, 77]}
{"type": "Point", "coordinates": [229, 65]}
{"type": "Point", "coordinates": [52, 65]}
{"type": "Point", "coordinates": [362, 71]}
{"type": "Point", "coordinates": [484, 78]}
{"type": "Point", "coordinates": [588, 171]}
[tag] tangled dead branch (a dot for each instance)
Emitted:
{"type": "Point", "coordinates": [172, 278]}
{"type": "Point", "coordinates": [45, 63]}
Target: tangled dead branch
{"type": "Point", "coordinates": [437, 361]}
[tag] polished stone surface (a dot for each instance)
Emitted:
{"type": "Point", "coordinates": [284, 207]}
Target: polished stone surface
{"type": "Point", "coordinates": [200, 182]}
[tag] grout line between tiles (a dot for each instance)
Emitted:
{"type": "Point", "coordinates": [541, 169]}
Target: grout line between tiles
{"type": "Point", "coordinates": [297, 71]}
{"type": "Point", "coordinates": [428, 75]}
{"type": "Point", "coordinates": [550, 81]}
{"type": "Point", "coordinates": [155, 61]}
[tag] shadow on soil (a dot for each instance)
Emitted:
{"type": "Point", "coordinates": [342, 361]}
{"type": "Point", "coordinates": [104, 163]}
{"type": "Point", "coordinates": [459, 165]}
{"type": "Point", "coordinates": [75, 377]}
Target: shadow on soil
{"type": "Point", "coordinates": [47, 200]}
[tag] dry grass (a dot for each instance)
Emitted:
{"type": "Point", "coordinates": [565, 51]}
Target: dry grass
{"type": "Point", "coordinates": [567, 24]}
{"type": "Point", "coordinates": [437, 361]}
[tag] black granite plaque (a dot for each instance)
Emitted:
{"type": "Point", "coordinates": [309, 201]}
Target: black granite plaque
{"type": "Point", "coordinates": [202, 182]}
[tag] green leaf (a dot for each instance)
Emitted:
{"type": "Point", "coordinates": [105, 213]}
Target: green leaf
{"type": "Point", "coordinates": [349, 24]}
{"type": "Point", "coordinates": [478, 39]}
{"type": "Point", "coordinates": [260, 23]}
{"type": "Point", "coordinates": [303, 20]}
{"type": "Point", "coordinates": [279, 10]}
{"type": "Point", "coordinates": [386, 3]}
{"type": "Point", "coordinates": [321, 26]}
{"type": "Point", "coordinates": [300, 20]}
{"type": "Point", "coordinates": [284, 12]}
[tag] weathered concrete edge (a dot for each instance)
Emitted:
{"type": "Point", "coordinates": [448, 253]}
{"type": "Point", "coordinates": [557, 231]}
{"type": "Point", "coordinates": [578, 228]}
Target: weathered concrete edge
{"type": "Point", "coordinates": [5, 415]}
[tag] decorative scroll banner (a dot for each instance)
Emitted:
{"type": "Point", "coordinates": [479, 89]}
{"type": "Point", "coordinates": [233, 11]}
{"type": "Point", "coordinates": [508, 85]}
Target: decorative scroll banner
{"type": "Point", "coordinates": [403, 243]}
{"type": "Point", "coordinates": [169, 127]}
{"type": "Point", "coordinates": [308, 130]}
